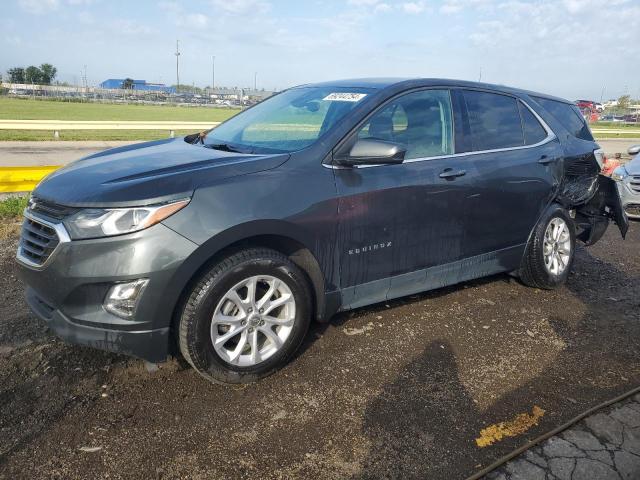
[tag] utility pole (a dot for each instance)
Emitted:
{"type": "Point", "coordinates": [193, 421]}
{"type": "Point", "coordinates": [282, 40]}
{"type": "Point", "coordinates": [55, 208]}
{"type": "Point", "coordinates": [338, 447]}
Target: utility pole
{"type": "Point", "coordinates": [213, 73]}
{"type": "Point", "coordinates": [177, 54]}
{"type": "Point", "coordinates": [255, 81]}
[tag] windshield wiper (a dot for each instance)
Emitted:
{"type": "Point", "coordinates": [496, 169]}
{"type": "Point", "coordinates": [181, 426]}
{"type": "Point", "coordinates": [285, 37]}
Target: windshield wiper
{"type": "Point", "coordinates": [222, 146]}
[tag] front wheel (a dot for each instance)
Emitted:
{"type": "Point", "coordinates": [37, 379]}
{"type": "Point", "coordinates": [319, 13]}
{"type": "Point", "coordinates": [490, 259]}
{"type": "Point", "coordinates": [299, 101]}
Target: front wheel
{"type": "Point", "coordinates": [550, 251]}
{"type": "Point", "coordinates": [245, 317]}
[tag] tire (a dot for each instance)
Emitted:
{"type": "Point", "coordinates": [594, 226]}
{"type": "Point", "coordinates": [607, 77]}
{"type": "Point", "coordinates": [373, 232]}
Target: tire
{"type": "Point", "coordinates": [534, 270]}
{"type": "Point", "coordinates": [224, 292]}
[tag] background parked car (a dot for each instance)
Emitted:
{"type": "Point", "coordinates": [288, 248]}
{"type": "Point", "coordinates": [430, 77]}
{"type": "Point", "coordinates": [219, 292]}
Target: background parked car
{"type": "Point", "coordinates": [628, 181]}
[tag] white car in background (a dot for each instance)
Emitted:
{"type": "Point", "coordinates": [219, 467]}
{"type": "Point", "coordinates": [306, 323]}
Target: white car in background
{"type": "Point", "coordinates": [627, 178]}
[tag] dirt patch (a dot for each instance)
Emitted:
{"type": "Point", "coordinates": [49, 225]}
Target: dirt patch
{"type": "Point", "coordinates": [401, 389]}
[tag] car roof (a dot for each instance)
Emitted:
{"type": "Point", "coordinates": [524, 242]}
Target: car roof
{"type": "Point", "coordinates": [399, 83]}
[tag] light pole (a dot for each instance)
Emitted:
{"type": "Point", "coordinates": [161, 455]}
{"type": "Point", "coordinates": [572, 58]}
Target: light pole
{"type": "Point", "coordinates": [177, 65]}
{"type": "Point", "coordinates": [213, 73]}
{"type": "Point", "coordinates": [255, 81]}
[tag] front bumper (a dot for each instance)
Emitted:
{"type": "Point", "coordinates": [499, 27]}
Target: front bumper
{"type": "Point", "coordinates": [68, 291]}
{"type": "Point", "coordinates": [629, 197]}
{"type": "Point", "coordinates": [150, 345]}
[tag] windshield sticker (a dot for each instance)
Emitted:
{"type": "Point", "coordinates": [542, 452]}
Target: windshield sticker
{"type": "Point", "coordinates": [345, 97]}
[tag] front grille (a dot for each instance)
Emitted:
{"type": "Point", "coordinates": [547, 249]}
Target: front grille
{"type": "Point", "coordinates": [37, 242]}
{"type": "Point", "coordinates": [635, 184]}
{"type": "Point", "coordinates": [50, 209]}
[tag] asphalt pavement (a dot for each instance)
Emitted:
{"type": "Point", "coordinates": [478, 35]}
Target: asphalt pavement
{"type": "Point", "coordinates": [63, 152]}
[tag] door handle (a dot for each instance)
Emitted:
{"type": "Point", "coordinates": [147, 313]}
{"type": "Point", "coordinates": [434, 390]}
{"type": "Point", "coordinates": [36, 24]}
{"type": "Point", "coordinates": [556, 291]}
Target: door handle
{"type": "Point", "coordinates": [544, 160]}
{"type": "Point", "coordinates": [451, 173]}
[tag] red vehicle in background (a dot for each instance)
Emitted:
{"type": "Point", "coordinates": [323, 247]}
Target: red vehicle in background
{"type": "Point", "coordinates": [582, 104]}
{"type": "Point", "coordinates": [589, 110]}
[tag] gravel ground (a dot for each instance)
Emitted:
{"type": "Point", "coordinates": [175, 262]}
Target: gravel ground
{"type": "Point", "coordinates": [397, 390]}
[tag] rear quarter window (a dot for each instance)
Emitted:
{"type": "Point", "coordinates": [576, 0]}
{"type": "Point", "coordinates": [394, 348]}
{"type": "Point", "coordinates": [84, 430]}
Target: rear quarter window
{"type": "Point", "coordinates": [569, 117]}
{"type": "Point", "coordinates": [534, 132]}
{"type": "Point", "coordinates": [494, 120]}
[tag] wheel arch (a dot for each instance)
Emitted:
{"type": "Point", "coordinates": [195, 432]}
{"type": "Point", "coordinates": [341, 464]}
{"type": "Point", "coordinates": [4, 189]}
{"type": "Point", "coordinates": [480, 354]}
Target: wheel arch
{"type": "Point", "coordinates": [281, 236]}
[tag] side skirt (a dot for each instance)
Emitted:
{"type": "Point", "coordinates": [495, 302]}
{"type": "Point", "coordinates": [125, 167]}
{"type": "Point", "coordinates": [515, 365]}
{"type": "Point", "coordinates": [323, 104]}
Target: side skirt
{"type": "Point", "coordinates": [431, 278]}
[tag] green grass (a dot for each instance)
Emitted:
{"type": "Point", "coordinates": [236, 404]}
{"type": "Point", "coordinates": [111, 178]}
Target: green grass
{"type": "Point", "coordinates": [25, 109]}
{"type": "Point", "coordinates": [12, 207]}
{"type": "Point", "coordinates": [616, 125]}
{"type": "Point", "coordinates": [29, 109]}
{"type": "Point", "coordinates": [609, 136]}
{"type": "Point", "coordinates": [104, 135]}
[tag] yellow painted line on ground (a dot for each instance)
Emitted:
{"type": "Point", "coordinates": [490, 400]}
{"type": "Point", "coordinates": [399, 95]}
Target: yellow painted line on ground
{"type": "Point", "coordinates": [23, 179]}
{"type": "Point", "coordinates": [520, 424]}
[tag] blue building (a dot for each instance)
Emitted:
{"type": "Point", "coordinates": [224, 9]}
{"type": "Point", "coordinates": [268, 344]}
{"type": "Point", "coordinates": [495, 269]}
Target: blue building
{"type": "Point", "coordinates": [116, 83]}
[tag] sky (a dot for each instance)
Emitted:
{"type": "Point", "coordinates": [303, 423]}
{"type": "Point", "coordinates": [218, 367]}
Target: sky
{"type": "Point", "coordinates": [570, 48]}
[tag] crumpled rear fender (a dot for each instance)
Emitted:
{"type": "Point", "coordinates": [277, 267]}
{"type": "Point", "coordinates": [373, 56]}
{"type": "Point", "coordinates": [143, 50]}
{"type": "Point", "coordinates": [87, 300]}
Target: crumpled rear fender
{"type": "Point", "coordinates": [593, 196]}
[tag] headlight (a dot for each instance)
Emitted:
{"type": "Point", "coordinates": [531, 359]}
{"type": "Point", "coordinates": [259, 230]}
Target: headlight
{"type": "Point", "coordinates": [619, 174]}
{"type": "Point", "coordinates": [105, 222]}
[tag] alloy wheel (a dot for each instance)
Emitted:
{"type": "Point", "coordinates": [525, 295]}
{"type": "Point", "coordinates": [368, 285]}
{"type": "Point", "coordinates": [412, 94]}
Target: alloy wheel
{"type": "Point", "coordinates": [253, 320]}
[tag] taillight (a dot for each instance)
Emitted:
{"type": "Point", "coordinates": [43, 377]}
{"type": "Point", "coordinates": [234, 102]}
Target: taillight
{"type": "Point", "coordinates": [600, 158]}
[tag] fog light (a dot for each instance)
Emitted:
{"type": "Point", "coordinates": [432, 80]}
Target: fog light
{"type": "Point", "coordinates": [122, 299]}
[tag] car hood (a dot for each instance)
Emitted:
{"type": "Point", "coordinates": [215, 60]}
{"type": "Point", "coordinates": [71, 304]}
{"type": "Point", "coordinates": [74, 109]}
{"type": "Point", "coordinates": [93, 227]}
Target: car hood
{"type": "Point", "coordinates": [147, 173]}
{"type": "Point", "coordinates": [633, 167]}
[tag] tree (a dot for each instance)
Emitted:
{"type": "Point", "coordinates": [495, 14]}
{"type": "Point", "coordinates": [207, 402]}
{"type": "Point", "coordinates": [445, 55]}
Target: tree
{"type": "Point", "coordinates": [16, 75]}
{"type": "Point", "coordinates": [624, 102]}
{"type": "Point", "coordinates": [32, 75]}
{"type": "Point", "coordinates": [127, 84]}
{"type": "Point", "coordinates": [48, 73]}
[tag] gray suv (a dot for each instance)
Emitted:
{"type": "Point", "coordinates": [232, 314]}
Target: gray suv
{"type": "Point", "coordinates": [223, 246]}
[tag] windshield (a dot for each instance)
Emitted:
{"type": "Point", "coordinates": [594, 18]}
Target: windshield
{"type": "Point", "coordinates": [289, 121]}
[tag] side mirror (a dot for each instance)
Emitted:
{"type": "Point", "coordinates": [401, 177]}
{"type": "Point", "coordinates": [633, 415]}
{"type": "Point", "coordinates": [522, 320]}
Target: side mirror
{"type": "Point", "coordinates": [369, 151]}
{"type": "Point", "coordinates": [634, 150]}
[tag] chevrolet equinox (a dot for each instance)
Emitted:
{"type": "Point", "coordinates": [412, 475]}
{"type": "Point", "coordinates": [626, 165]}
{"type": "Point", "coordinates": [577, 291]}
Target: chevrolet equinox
{"type": "Point", "coordinates": [223, 246]}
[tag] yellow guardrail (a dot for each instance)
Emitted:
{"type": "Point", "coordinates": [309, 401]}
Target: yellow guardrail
{"type": "Point", "coordinates": [22, 179]}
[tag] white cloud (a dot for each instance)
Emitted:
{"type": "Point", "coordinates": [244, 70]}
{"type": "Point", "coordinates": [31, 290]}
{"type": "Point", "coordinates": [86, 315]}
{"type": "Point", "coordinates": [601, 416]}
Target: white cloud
{"type": "Point", "coordinates": [38, 7]}
{"type": "Point", "coordinates": [414, 8]}
{"type": "Point", "coordinates": [242, 7]}
{"type": "Point", "coordinates": [131, 27]}
{"type": "Point", "coordinates": [194, 20]}
{"type": "Point", "coordinates": [375, 6]}
{"type": "Point", "coordinates": [450, 8]}
{"type": "Point", "coordinates": [14, 40]}
{"type": "Point", "coordinates": [85, 18]}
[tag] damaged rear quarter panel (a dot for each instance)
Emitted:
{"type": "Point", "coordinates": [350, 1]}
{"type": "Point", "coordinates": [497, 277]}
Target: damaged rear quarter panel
{"type": "Point", "coordinates": [580, 186]}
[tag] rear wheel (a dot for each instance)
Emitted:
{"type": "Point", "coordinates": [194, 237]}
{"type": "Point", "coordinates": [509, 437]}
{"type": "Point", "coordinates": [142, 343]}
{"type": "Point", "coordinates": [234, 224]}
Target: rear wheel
{"type": "Point", "coordinates": [549, 255]}
{"type": "Point", "coordinates": [245, 317]}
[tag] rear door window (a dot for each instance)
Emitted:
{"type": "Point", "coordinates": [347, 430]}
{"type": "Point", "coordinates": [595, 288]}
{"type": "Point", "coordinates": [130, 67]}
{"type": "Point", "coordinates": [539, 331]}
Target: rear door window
{"type": "Point", "coordinates": [534, 132]}
{"type": "Point", "coordinates": [569, 116]}
{"type": "Point", "coordinates": [494, 120]}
